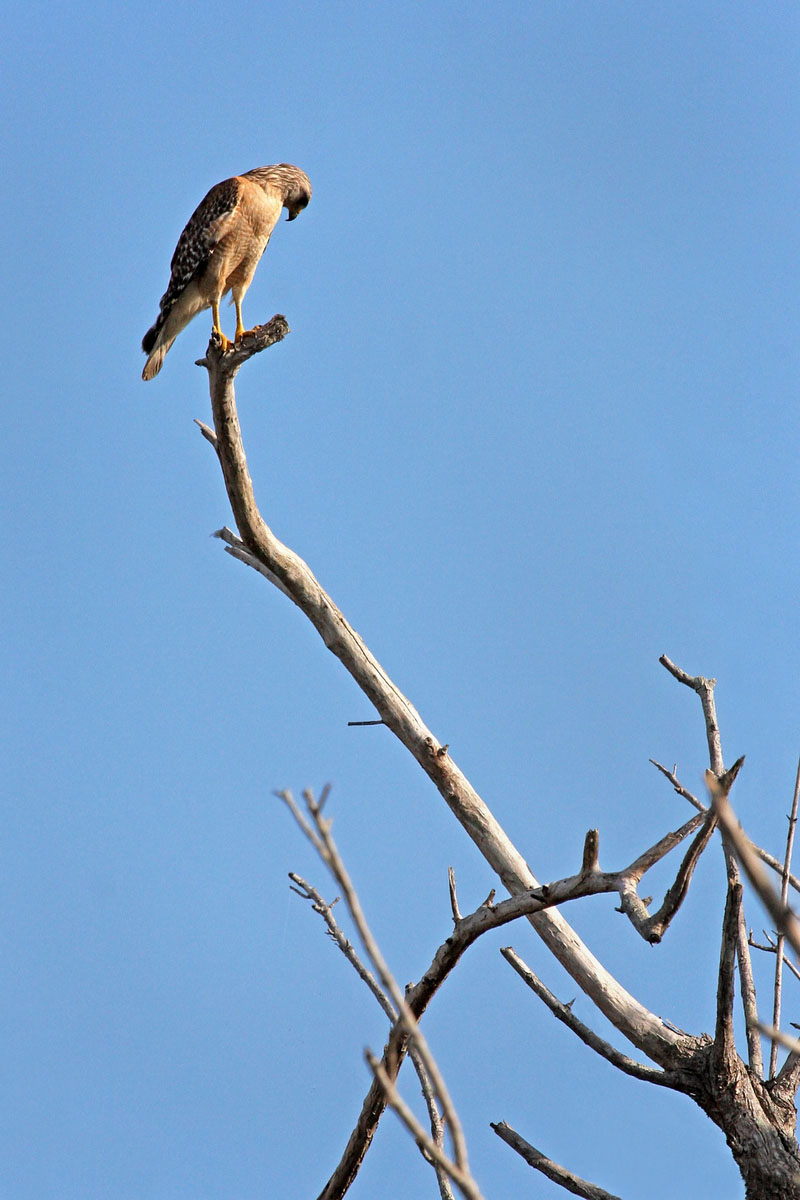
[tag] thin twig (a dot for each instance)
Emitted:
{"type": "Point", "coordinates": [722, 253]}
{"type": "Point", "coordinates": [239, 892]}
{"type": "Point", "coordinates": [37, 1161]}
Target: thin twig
{"type": "Point", "coordinates": [748, 990]}
{"type": "Point", "coordinates": [678, 786]}
{"type": "Point", "coordinates": [329, 853]}
{"type": "Point", "coordinates": [787, 862]}
{"type": "Point", "coordinates": [324, 909]}
{"type": "Point", "coordinates": [705, 690]}
{"type": "Point", "coordinates": [320, 906]}
{"type": "Point", "coordinates": [784, 919]}
{"type": "Point", "coordinates": [460, 1176]}
{"type": "Point", "coordinates": [772, 949]}
{"type": "Point", "coordinates": [565, 1014]}
{"type": "Point", "coordinates": [764, 855]}
{"type": "Point", "coordinates": [553, 1170]}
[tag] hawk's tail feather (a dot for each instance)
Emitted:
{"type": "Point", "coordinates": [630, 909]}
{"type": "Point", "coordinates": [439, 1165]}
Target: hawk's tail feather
{"type": "Point", "coordinates": [149, 339]}
{"type": "Point", "coordinates": [156, 357]}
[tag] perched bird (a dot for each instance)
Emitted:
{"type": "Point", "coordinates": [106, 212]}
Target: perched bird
{"type": "Point", "coordinates": [219, 249]}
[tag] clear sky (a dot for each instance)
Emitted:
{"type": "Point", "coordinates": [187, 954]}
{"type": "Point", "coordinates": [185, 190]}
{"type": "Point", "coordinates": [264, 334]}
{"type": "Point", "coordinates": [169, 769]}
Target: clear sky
{"type": "Point", "coordinates": [536, 424]}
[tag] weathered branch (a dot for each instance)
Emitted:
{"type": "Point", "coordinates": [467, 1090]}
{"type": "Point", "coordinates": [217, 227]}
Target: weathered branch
{"type": "Point", "coordinates": [320, 906]}
{"type": "Point", "coordinates": [748, 991]}
{"type": "Point", "coordinates": [764, 855]}
{"type": "Point", "coordinates": [724, 1050]}
{"type": "Point", "coordinates": [466, 931]}
{"type": "Point", "coordinates": [772, 948]}
{"type": "Point", "coordinates": [535, 1158]}
{"type": "Point", "coordinates": [784, 919]}
{"type": "Point", "coordinates": [787, 862]}
{"type": "Point", "coordinates": [652, 928]}
{"type": "Point", "coordinates": [458, 1173]}
{"type": "Point", "coordinates": [759, 1131]}
{"type": "Point", "coordinates": [319, 832]}
{"type": "Point", "coordinates": [705, 690]}
{"type": "Point", "coordinates": [639, 1025]}
{"type": "Point", "coordinates": [565, 1014]}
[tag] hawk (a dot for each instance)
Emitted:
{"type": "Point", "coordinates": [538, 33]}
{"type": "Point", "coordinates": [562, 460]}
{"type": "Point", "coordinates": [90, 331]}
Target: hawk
{"type": "Point", "coordinates": [219, 249]}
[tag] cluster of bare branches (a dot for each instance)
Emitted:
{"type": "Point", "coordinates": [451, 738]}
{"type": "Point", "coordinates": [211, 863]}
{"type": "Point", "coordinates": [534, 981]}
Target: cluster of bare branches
{"type": "Point", "coordinates": [753, 1107]}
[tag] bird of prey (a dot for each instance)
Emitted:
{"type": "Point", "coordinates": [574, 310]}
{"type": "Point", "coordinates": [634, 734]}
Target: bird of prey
{"type": "Point", "coordinates": [219, 249]}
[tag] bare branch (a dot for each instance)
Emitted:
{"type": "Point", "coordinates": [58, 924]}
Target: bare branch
{"type": "Point", "coordinates": [785, 920]}
{"type": "Point", "coordinates": [564, 1013]}
{"type": "Point", "coordinates": [787, 1081]}
{"type": "Point", "coordinates": [678, 786]}
{"type": "Point", "coordinates": [676, 895]}
{"type": "Point", "coordinates": [662, 847]}
{"type": "Point", "coordinates": [777, 1035]}
{"type": "Point", "coordinates": [451, 877]}
{"type": "Point", "coordinates": [787, 862]}
{"type": "Point", "coordinates": [631, 1017]}
{"type": "Point", "coordinates": [323, 841]}
{"type": "Point", "coordinates": [772, 948]}
{"type": "Point", "coordinates": [764, 855]}
{"type": "Point", "coordinates": [591, 851]}
{"type": "Point", "coordinates": [748, 990]}
{"type": "Point", "coordinates": [237, 549]}
{"type": "Point", "coordinates": [207, 433]}
{"type": "Point", "coordinates": [345, 945]}
{"type": "Point", "coordinates": [459, 1174]}
{"type": "Point", "coordinates": [705, 690]}
{"type": "Point", "coordinates": [321, 907]}
{"type": "Point", "coordinates": [229, 360]}
{"type": "Point", "coordinates": [535, 1158]}
{"type": "Point", "coordinates": [487, 916]}
{"type": "Point", "coordinates": [724, 1051]}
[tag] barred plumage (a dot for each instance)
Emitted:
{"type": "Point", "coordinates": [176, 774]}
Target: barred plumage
{"type": "Point", "coordinates": [219, 250]}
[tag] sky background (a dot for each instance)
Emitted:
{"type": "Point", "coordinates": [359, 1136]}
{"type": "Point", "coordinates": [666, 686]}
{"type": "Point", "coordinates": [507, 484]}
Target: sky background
{"type": "Point", "coordinates": [535, 425]}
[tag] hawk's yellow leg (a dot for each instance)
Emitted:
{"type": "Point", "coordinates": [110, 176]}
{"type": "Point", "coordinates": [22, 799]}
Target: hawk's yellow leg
{"type": "Point", "coordinates": [226, 345]}
{"type": "Point", "coordinates": [240, 329]}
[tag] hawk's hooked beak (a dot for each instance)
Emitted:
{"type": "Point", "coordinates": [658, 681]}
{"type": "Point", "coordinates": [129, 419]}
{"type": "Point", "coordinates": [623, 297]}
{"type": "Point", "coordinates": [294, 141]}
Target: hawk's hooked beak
{"type": "Point", "coordinates": [292, 216]}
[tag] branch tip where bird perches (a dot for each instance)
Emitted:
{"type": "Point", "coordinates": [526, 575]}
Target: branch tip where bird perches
{"type": "Point", "coordinates": [230, 358]}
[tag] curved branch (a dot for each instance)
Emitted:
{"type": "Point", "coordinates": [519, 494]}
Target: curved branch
{"type": "Point", "coordinates": [553, 1170]}
{"type": "Point", "coordinates": [636, 1022]}
{"type": "Point", "coordinates": [564, 1013]}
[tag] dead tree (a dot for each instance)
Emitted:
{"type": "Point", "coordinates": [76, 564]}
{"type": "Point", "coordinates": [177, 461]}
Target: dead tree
{"type": "Point", "coordinates": [754, 1109]}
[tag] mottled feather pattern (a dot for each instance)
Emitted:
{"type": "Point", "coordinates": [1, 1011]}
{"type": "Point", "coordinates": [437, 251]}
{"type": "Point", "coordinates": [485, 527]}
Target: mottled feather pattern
{"type": "Point", "coordinates": [198, 240]}
{"type": "Point", "coordinates": [220, 248]}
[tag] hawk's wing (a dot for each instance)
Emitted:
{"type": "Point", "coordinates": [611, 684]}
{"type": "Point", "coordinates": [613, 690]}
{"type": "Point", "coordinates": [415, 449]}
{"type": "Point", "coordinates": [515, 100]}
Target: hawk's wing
{"type": "Point", "coordinates": [206, 226]}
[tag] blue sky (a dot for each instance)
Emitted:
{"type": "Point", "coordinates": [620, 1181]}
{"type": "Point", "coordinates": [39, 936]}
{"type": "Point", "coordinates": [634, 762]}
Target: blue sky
{"type": "Point", "coordinates": [536, 424]}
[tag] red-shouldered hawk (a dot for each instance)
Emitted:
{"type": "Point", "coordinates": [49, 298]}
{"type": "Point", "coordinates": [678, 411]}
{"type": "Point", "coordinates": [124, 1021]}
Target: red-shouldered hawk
{"type": "Point", "coordinates": [219, 249]}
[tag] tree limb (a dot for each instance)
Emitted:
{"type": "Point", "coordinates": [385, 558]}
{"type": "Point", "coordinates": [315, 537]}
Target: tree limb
{"type": "Point", "coordinates": [535, 1158]}
{"type": "Point", "coordinates": [748, 989]}
{"type": "Point", "coordinates": [458, 1173]}
{"type": "Point", "coordinates": [565, 1014]}
{"type": "Point", "coordinates": [705, 690]}
{"type": "Point", "coordinates": [787, 862]}
{"type": "Point", "coordinates": [640, 1026]}
{"type": "Point", "coordinates": [325, 910]}
{"type": "Point", "coordinates": [764, 855]}
{"type": "Point", "coordinates": [785, 920]}
{"type": "Point", "coordinates": [724, 1050]}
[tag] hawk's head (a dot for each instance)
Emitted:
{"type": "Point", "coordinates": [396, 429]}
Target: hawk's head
{"type": "Point", "coordinates": [298, 197]}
